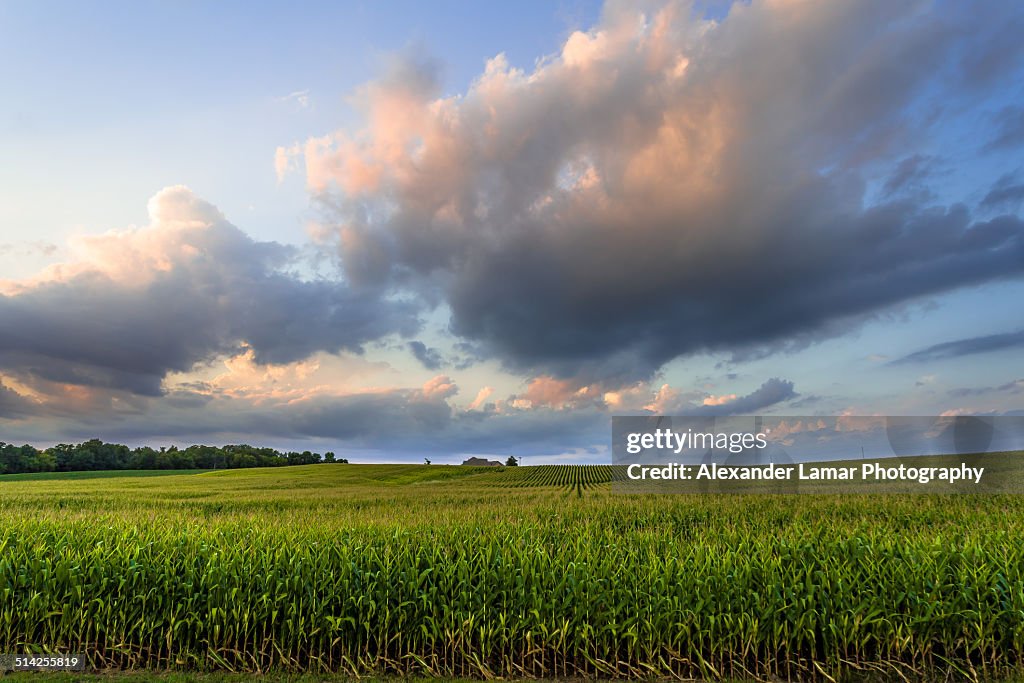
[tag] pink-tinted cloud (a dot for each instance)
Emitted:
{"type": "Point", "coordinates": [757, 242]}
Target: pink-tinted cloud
{"type": "Point", "coordinates": [663, 185]}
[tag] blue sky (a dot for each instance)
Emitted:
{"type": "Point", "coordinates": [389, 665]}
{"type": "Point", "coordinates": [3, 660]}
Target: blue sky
{"type": "Point", "coordinates": [120, 100]}
{"type": "Point", "coordinates": [390, 228]}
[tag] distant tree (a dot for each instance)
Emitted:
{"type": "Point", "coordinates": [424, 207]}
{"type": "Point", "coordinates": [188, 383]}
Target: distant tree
{"type": "Point", "coordinates": [19, 459]}
{"type": "Point", "coordinates": [69, 457]}
{"type": "Point", "coordinates": [207, 457]}
{"type": "Point", "coordinates": [329, 456]}
{"type": "Point", "coordinates": [245, 460]}
{"type": "Point", "coordinates": [46, 461]}
{"type": "Point", "coordinates": [98, 455]}
{"type": "Point", "coordinates": [144, 458]}
{"type": "Point", "coordinates": [511, 462]}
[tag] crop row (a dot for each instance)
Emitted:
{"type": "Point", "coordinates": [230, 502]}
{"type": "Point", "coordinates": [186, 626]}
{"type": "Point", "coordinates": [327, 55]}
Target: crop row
{"type": "Point", "coordinates": [613, 588]}
{"type": "Point", "coordinates": [579, 477]}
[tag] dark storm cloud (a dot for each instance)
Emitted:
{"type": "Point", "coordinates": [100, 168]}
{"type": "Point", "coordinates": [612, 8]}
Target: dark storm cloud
{"type": "Point", "coordinates": [379, 419]}
{"type": "Point", "coordinates": [659, 191]}
{"type": "Point", "coordinates": [662, 302]}
{"type": "Point", "coordinates": [965, 347]}
{"type": "Point", "coordinates": [13, 404]}
{"type": "Point", "coordinates": [188, 288]}
{"type": "Point", "coordinates": [430, 358]}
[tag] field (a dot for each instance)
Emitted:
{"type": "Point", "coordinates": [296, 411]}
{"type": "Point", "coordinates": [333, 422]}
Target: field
{"type": "Point", "coordinates": [511, 572]}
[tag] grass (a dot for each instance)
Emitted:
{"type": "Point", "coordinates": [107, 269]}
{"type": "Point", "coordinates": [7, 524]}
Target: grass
{"type": "Point", "coordinates": [196, 677]}
{"type": "Point", "coordinates": [512, 572]}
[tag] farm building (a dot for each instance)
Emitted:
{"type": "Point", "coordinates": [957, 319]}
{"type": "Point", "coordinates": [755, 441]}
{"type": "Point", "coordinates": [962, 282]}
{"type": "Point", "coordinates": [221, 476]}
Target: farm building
{"type": "Point", "coordinates": [481, 462]}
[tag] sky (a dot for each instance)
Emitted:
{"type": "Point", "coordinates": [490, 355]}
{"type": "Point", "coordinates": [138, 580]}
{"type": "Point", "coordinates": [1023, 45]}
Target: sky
{"type": "Point", "coordinates": [404, 230]}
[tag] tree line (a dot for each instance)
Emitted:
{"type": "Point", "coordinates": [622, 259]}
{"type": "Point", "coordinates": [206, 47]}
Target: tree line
{"type": "Point", "coordinates": [97, 455]}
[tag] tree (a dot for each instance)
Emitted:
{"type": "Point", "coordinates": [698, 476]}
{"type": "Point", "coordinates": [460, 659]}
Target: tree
{"type": "Point", "coordinates": [511, 462]}
{"type": "Point", "coordinates": [144, 458]}
{"type": "Point", "coordinates": [329, 456]}
{"type": "Point", "coordinates": [98, 455]}
{"type": "Point", "coordinates": [19, 459]}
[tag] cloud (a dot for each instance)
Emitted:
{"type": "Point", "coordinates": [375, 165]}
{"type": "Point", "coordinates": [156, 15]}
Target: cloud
{"type": "Point", "coordinates": [1014, 387]}
{"type": "Point", "coordinates": [430, 358]}
{"type": "Point", "coordinates": [909, 174]}
{"type": "Point", "coordinates": [665, 186]}
{"type": "Point", "coordinates": [440, 386]}
{"type": "Point", "coordinates": [300, 97]}
{"type": "Point", "coordinates": [1004, 194]}
{"type": "Point", "coordinates": [14, 405]}
{"type": "Point", "coordinates": [560, 393]}
{"type": "Point", "coordinates": [965, 347]}
{"type": "Point", "coordinates": [643, 398]}
{"type": "Point", "coordinates": [1009, 129]}
{"type": "Point", "coordinates": [392, 423]}
{"type": "Point", "coordinates": [666, 401]}
{"type": "Point", "coordinates": [770, 393]}
{"type": "Point", "coordinates": [23, 249]}
{"type": "Point", "coordinates": [292, 404]}
{"type": "Point", "coordinates": [138, 304]}
{"type": "Point", "coordinates": [661, 186]}
{"type": "Point", "coordinates": [998, 48]}
{"type": "Point", "coordinates": [285, 160]}
{"type": "Point", "coordinates": [480, 402]}
{"type": "Point", "coordinates": [376, 419]}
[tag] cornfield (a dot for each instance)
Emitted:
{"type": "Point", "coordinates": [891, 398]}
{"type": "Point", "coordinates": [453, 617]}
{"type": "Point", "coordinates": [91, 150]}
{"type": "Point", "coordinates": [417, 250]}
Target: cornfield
{"type": "Point", "coordinates": [574, 477]}
{"type": "Point", "coordinates": [440, 571]}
